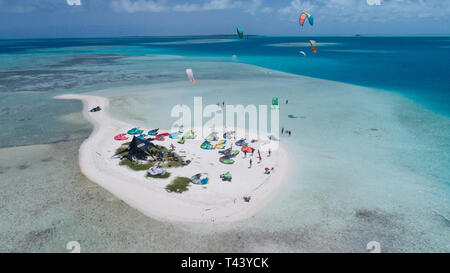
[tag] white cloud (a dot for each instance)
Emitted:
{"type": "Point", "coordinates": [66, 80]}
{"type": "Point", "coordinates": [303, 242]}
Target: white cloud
{"type": "Point", "coordinates": [140, 5]}
{"type": "Point", "coordinates": [297, 6]}
{"type": "Point", "coordinates": [361, 10]}
{"type": "Point", "coordinates": [254, 6]}
{"type": "Point", "coordinates": [220, 5]}
{"type": "Point", "coordinates": [131, 6]}
{"type": "Point", "coordinates": [266, 10]}
{"type": "Point", "coordinates": [210, 5]}
{"type": "Point", "coordinates": [74, 2]}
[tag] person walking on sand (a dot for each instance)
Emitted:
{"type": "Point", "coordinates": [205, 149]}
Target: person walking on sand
{"type": "Point", "coordinates": [270, 152]}
{"type": "Point", "coordinates": [289, 132]}
{"type": "Point", "coordinates": [282, 130]}
{"type": "Point", "coordinates": [259, 156]}
{"type": "Point", "coordinates": [245, 153]}
{"type": "Point", "coordinates": [287, 101]}
{"type": "Point", "coordinates": [251, 161]}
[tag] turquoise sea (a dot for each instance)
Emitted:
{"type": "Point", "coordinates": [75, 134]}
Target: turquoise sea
{"type": "Point", "coordinates": [370, 146]}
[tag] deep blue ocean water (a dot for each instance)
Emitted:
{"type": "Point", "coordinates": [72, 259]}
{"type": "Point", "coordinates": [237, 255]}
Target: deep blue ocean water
{"type": "Point", "coordinates": [417, 67]}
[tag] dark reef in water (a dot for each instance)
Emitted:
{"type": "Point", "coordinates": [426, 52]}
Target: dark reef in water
{"type": "Point", "coordinates": [39, 237]}
{"type": "Point", "coordinates": [23, 166]}
{"type": "Point", "coordinates": [372, 216]}
{"type": "Point", "coordinates": [47, 159]}
{"type": "Point", "coordinates": [3, 169]}
{"type": "Point", "coordinates": [88, 59]}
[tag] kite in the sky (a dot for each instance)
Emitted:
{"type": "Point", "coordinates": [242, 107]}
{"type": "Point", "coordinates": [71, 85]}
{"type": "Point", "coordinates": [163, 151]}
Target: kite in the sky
{"type": "Point", "coordinates": [313, 46]}
{"type": "Point", "coordinates": [190, 75]}
{"type": "Point", "coordinates": [305, 16]}
{"type": "Point", "coordinates": [240, 32]}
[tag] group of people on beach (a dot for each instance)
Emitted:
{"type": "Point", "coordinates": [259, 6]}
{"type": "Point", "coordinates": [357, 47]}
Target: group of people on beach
{"type": "Point", "coordinates": [259, 157]}
{"type": "Point", "coordinates": [283, 131]}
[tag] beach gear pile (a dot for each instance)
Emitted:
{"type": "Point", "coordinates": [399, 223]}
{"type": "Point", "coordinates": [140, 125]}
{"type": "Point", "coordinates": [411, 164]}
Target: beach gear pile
{"type": "Point", "coordinates": [156, 170]}
{"type": "Point", "coordinates": [95, 109]}
{"type": "Point", "coordinates": [200, 179]}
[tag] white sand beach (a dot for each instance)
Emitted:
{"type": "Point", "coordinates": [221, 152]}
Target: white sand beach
{"type": "Point", "coordinates": [218, 201]}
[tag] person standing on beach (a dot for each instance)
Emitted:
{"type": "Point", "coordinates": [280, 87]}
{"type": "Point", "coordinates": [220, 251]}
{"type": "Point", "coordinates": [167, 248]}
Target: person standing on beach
{"type": "Point", "coordinates": [251, 161]}
{"type": "Point", "coordinates": [270, 152]}
{"type": "Point", "coordinates": [289, 132]}
{"type": "Point", "coordinates": [287, 101]}
{"type": "Point", "coordinates": [282, 130]}
{"type": "Point", "coordinates": [259, 156]}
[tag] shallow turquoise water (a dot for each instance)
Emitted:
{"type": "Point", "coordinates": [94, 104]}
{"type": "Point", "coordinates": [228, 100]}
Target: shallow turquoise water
{"type": "Point", "coordinates": [416, 67]}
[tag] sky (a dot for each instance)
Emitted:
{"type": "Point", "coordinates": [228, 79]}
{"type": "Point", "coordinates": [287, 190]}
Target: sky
{"type": "Point", "coordinates": [111, 18]}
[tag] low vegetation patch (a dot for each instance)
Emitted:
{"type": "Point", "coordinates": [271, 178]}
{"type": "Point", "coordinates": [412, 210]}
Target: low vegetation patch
{"type": "Point", "coordinates": [121, 150]}
{"type": "Point", "coordinates": [166, 175]}
{"type": "Point", "coordinates": [178, 185]}
{"type": "Point", "coordinates": [135, 166]}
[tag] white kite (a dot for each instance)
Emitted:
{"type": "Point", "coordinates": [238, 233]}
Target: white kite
{"type": "Point", "coordinates": [190, 75]}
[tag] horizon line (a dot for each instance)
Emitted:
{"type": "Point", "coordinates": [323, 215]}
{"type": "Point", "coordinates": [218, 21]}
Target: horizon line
{"type": "Point", "coordinates": [232, 35]}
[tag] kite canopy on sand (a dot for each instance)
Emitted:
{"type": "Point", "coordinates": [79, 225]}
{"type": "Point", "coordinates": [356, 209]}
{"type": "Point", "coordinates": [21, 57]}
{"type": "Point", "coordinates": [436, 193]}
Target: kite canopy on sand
{"type": "Point", "coordinates": [313, 46]}
{"type": "Point", "coordinates": [305, 16]}
{"type": "Point", "coordinates": [240, 33]}
{"type": "Point", "coordinates": [190, 75]}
